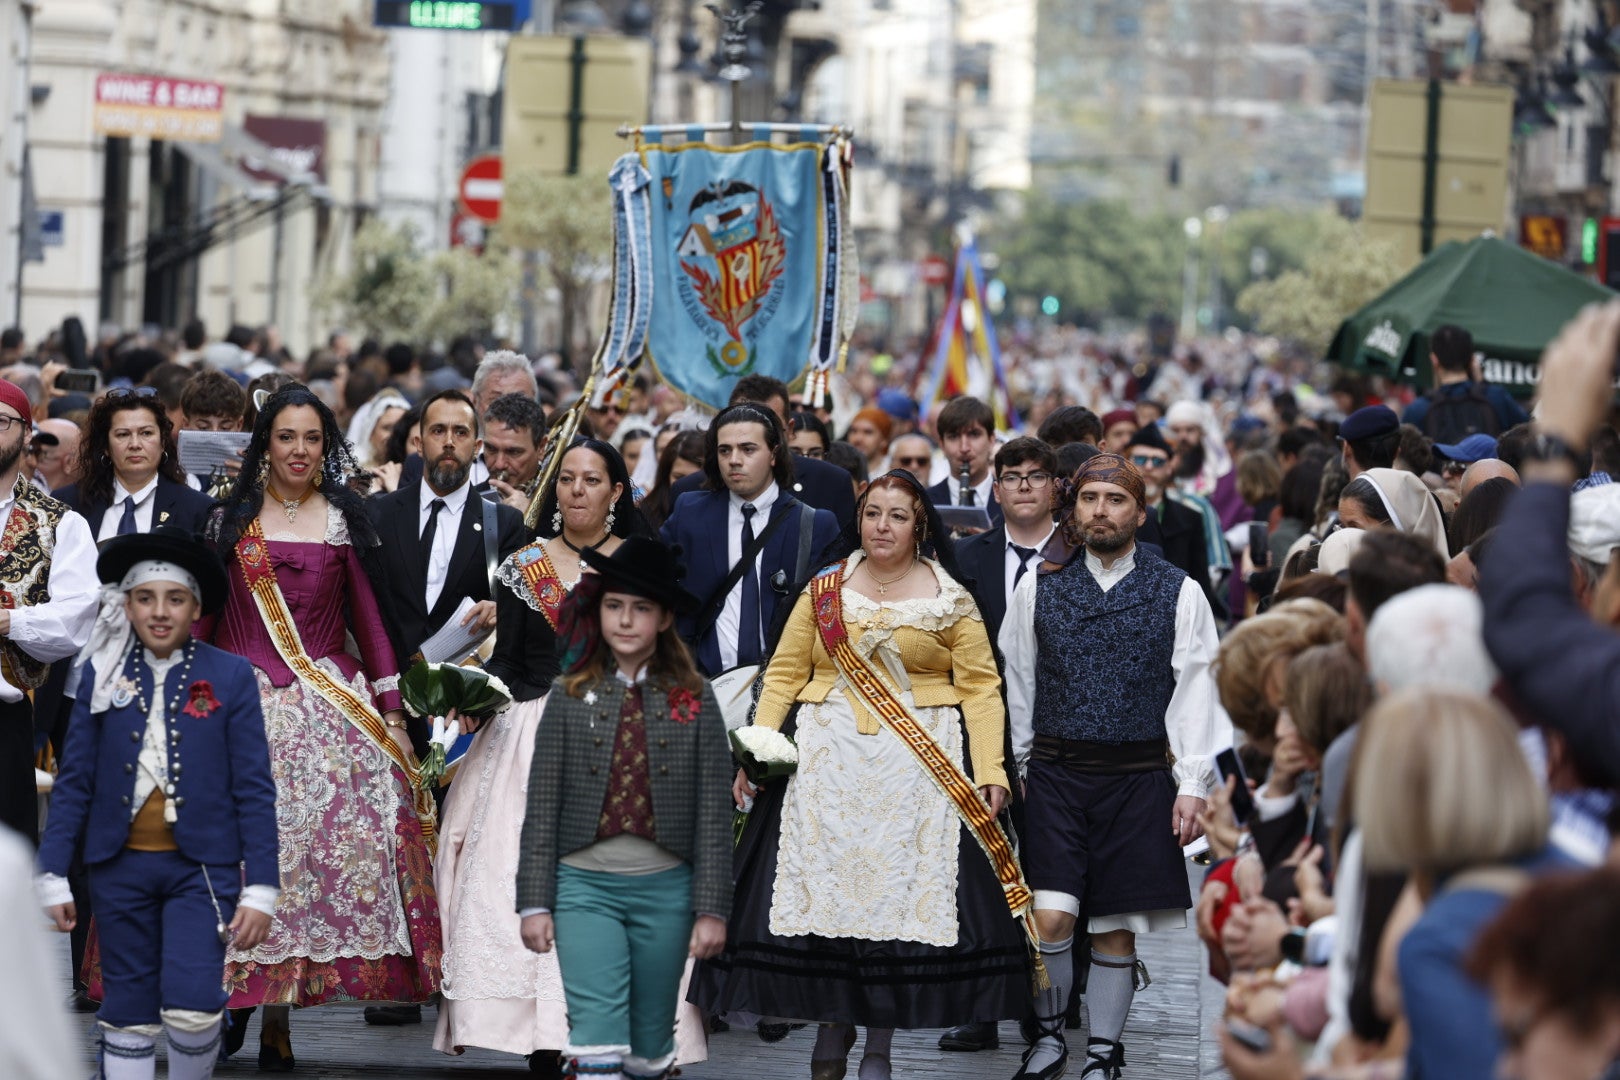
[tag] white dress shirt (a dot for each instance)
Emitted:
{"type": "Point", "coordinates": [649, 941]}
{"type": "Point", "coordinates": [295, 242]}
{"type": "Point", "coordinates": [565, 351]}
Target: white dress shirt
{"type": "Point", "coordinates": [730, 620]}
{"type": "Point", "coordinates": [1014, 560]}
{"type": "Point", "coordinates": [981, 490]}
{"type": "Point", "coordinates": [444, 536]}
{"type": "Point", "coordinates": [1196, 724]}
{"type": "Point", "coordinates": [61, 626]}
{"type": "Point", "coordinates": [144, 500]}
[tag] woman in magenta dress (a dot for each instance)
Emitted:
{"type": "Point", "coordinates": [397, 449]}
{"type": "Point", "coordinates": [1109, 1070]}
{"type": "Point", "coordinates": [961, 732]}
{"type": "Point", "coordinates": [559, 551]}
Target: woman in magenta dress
{"type": "Point", "coordinates": [358, 919]}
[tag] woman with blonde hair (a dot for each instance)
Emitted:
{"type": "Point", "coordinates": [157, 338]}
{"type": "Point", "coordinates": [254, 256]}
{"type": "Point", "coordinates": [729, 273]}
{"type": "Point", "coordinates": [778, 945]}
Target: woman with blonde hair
{"type": "Point", "coordinates": [1253, 663]}
{"type": "Point", "coordinates": [1444, 794]}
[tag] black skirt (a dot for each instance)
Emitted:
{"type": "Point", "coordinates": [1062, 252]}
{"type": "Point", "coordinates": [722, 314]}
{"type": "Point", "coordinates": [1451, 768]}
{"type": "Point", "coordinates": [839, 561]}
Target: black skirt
{"type": "Point", "coordinates": [884, 984]}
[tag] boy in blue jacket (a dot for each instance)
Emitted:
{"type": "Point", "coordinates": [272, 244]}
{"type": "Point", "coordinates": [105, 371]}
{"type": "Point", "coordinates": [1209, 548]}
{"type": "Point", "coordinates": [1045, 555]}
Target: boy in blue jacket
{"type": "Point", "coordinates": [167, 787]}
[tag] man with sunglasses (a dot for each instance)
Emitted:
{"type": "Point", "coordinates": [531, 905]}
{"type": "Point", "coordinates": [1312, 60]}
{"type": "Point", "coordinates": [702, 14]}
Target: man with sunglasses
{"type": "Point", "coordinates": [915, 454]}
{"type": "Point", "coordinates": [1176, 530]}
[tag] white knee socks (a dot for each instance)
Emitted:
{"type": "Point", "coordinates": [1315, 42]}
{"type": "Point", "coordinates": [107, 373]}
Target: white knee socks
{"type": "Point", "coordinates": [129, 1053]}
{"type": "Point", "coordinates": [1058, 956]}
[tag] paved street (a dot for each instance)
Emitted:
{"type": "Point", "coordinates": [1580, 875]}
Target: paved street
{"type": "Point", "coordinates": [1166, 1040]}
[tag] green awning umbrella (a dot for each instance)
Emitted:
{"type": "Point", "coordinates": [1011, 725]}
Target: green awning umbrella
{"type": "Point", "coordinates": [1513, 302]}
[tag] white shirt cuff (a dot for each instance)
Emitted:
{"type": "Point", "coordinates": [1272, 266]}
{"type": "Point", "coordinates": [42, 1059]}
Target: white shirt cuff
{"type": "Point", "coordinates": [524, 913]}
{"type": "Point", "coordinates": [260, 898]}
{"type": "Point", "coordinates": [1194, 777]}
{"type": "Point", "coordinates": [1272, 807]}
{"type": "Point", "coordinates": [52, 890]}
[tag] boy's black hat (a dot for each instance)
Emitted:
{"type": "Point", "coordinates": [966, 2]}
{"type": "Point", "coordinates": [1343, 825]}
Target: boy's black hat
{"type": "Point", "coordinates": [644, 567]}
{"type": "Point", "coordinates": [166, 543]}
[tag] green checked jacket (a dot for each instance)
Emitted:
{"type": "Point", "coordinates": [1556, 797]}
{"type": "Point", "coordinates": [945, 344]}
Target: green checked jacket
{"type": "Point", "coordinates": [690, 773]}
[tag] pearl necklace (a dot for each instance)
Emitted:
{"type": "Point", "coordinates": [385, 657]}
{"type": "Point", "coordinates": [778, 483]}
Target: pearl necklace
{"type": "Point", "coordinates": [188, 653]}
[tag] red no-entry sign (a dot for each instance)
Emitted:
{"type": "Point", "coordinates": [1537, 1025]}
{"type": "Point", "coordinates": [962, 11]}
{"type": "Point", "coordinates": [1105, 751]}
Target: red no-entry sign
{"type": "Point", "coordinates": [480, 187]}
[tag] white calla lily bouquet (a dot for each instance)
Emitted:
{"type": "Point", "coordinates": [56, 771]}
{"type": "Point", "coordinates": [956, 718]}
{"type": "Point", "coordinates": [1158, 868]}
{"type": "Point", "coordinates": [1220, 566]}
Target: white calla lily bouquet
{"type": "Point", "coordinates": [436, 690]}
{"type": "Point", "coordinates": [765, 754]}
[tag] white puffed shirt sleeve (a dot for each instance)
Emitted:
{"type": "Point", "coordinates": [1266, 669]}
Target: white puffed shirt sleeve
{"type": "Point", "coordinates": [60, 627]}
{"type": "Point", "coordinates": [1195, 722]}
{"type": "Point", "coordinates": [1017, 644]}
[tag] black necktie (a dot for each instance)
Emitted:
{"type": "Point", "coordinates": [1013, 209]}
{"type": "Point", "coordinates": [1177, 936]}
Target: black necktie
{"type": "Point", "coordinates": [1024, 554]}
{"type": "Point", "coordinates": [431, 531]}
{"type": "Point", "coordinates": [126, 524]}
{"type": "Point", "coordinates": [748, 650]}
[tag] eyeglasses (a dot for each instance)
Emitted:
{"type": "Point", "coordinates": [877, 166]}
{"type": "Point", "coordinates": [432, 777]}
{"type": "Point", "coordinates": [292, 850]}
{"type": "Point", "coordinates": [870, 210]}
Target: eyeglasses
{"type": "Point", "coordinates": [1148, 461]}
{"type": "Point", "coordinates": [8, 422]}
{"type": "Point", "coordinates": [1035, 481]}
{"type": "Point", "coordinates": [913, 462]}
{"type": "Point", "coordinates": [131, 392]}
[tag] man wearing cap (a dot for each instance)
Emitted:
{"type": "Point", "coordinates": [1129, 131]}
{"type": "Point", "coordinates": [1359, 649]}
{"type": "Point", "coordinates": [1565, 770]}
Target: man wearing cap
{"type": "Point", "coordinates": [1108, 680]}
{"type": "Point", "coordinates": [1456, 457]}
{"type": "Point", "coordinates": [1176, 530]}
{"type": "Point", "coordinates": [902, 410]}
{"type": "Point", "coordinates": [166, 790]}
{"type": "Point", "coordinates": [1118, 427]}
{"type": "Point", "coordinates": [1370, 438]}
{"type": "Point", "coordinates": [48, 595]}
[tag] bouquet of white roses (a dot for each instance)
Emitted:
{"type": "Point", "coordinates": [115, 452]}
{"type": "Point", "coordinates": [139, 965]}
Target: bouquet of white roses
{"type": "Point", "coordinates": [764, 754]}
{"type": "Point", "coordinates": [435, 690]}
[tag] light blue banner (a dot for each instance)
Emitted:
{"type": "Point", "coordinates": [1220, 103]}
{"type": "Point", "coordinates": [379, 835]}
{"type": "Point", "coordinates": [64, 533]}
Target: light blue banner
{"type": "Point", "coordinates": [738, 267]}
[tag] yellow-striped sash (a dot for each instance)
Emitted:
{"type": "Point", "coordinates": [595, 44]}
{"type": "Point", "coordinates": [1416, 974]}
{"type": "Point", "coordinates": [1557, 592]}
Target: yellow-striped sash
{"type": "Point", "coordinates": [253, 554]}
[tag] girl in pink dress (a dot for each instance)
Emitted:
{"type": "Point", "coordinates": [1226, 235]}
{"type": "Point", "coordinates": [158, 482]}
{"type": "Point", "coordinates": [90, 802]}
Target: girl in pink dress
{"type": "Point", "coordinates": [358, 918]}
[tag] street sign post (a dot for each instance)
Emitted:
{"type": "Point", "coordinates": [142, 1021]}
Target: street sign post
{"type": "Point", "coordinates": [936, 270]}
{"type": "Point", "coordinates": [480, 188]}
{"type": "Point", "coordinates": [566, 98]}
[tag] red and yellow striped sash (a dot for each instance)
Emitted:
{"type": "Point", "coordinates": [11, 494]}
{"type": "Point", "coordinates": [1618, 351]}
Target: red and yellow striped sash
{"type": "Point", "coordinates": [880, 697]}
{"type": "Point", "coordinates": [253, 554]}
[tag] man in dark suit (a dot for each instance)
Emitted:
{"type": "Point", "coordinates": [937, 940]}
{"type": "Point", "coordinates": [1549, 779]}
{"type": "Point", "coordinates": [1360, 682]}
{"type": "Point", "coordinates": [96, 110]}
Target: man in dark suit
{"type": "Point", "coordinates": [816, 483]}
{"type": "Point", "coordinates": [749, 471]}
{"type": "Point", "coordinates": [965, 427]}
{"type": "Point", "coordinates": [435, 551]}
{"type": "Point", "coordinates": [1177, 530]}
{"type": "Point", "coordinates": [993, 563]}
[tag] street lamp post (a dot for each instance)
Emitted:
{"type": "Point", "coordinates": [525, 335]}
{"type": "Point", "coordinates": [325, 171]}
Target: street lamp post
{"type": "Point", "coordinates": [1194, 228]}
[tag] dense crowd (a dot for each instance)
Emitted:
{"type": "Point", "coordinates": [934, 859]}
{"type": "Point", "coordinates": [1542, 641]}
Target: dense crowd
{"type": "Point", "coordinates": [1357, 663]}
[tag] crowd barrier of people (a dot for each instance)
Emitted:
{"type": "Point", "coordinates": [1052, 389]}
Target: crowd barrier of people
{"type": "Point", "coordinates": [1359, 665]}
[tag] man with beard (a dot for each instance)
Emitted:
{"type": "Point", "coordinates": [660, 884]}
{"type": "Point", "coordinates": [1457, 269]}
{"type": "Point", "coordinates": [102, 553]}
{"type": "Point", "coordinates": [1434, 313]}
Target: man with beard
{"type": "Point", "coordinates": [440, 543]}
{"type": "Point", "coordinates": [1108, 680]}
{"type": "Point", "coordinates": [1203, 464]}
{"type": "Point", "coordinates": [1176, 530]}
{"type": "Point", "coordinates": [48, 599]}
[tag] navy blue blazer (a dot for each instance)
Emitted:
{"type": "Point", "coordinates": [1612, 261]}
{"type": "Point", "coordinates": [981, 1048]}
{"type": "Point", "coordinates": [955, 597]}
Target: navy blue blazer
{"type": "Point", "coordinates": [698, 524]}
{"type": "Point", "coordinates": [225, 797]}
{"type": "Point", "coordinates": [940, 495]}
{"type": "Point", "coordinates": [983, 562]}
{"type": "Point", "coordinates": [172, 504]}
{"type": "Point", "coordinates": [815, 483]}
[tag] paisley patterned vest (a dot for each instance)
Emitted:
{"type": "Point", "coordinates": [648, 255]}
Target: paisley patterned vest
{"type": "Point", "coordinates": [25, 572]}
{"type": "Point", "coordinates": [1102, 669]}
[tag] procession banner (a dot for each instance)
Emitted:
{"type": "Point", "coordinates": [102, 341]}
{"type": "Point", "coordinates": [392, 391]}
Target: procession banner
{"type": "Point", "coordinates": [967, 356]}
{"type": "Point", "coordinates": [728, 261]}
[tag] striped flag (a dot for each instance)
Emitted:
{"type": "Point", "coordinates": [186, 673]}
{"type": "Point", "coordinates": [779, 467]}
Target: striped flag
{"type": "Point", "coordinates": [967, 358]}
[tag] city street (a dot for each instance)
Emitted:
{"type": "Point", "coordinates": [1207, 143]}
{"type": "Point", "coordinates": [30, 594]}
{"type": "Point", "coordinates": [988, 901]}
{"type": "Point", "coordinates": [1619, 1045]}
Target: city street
{"type": "Point", "coordinates": [1167, 1038]}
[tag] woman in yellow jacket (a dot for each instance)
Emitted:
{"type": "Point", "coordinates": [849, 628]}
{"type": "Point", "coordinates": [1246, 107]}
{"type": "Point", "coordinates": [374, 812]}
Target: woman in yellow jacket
{"type": "Point", "coordinates": [864, 898]}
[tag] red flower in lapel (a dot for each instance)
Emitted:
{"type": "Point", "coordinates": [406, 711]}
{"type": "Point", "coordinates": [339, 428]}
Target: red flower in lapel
{"type": "Point", "coordinates": [683, 705]}
{"type": "Point", "coordinates": [202, 700]}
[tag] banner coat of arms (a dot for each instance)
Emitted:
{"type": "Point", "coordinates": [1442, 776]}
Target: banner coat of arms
{"type": "Point", "coordinates": [729, 261]}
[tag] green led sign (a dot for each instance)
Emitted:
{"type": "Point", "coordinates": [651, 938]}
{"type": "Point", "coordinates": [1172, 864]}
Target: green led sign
{"type": "Point", "coordinates": [446, 15]}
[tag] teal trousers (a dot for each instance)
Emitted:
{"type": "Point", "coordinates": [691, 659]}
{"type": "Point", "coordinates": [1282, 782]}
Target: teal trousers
{"type": "Point", "coordinates": [622, 944]}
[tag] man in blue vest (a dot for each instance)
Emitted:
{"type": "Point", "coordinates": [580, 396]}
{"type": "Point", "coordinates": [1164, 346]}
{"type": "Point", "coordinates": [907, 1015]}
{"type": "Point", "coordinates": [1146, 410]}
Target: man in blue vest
{"type": "Point", "coordinates": [1108, 680]}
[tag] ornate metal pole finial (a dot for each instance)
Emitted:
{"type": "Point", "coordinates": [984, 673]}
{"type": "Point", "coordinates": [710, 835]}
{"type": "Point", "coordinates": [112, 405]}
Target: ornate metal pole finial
{"type": "Point", "coordinates": [734, 38]}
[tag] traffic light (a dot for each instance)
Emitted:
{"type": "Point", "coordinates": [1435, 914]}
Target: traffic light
{"type": "Point", "coordinates": [1051, 307]}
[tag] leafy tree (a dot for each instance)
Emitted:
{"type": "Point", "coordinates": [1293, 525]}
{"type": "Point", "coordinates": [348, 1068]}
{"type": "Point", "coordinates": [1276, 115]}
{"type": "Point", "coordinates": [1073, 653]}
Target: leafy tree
{"type": "Point", "coordinates": [387, 287]}
{"type": "Point", "coordinates": [1344, 272]}
{"type": "Point", "coordinates": [567, 221]}
{"type": "Point", "coordinates": [394, 291]}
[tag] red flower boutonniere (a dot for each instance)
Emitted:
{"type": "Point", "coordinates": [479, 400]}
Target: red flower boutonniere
{"type": "Point", "coordinates": [683, 705]}
{"type": "Point", "coordinates": [202, 700]}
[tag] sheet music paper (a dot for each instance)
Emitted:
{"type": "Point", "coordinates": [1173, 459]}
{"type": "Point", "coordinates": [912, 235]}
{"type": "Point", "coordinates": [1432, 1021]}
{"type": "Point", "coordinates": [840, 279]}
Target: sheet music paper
{"type": "Point", "coordinates": [452, 643]}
